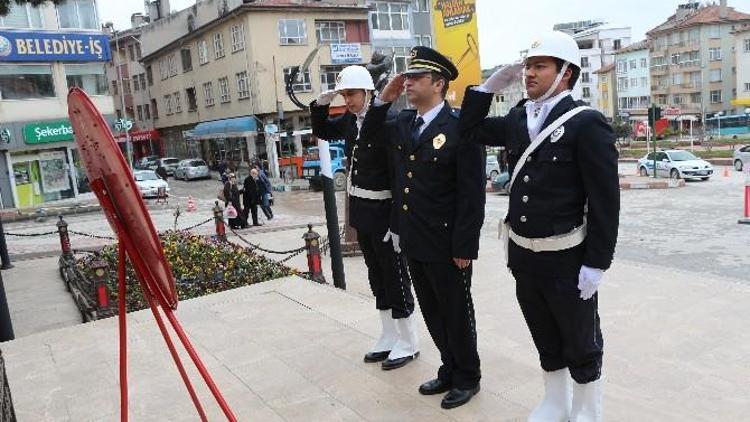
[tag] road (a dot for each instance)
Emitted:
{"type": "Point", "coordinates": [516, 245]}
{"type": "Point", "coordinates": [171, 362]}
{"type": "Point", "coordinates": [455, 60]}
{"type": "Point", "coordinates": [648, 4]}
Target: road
{"type": "Point", "coordinates": [686, 229]}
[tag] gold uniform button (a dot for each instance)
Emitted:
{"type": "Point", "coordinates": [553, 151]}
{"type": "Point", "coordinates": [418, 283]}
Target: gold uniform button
{"type": "Point", "coordinates": [523, 218]}
{"type": "Point", "coordinates": [406, 190]}
{"type": "Point", "coordinates": [526, 179]}
{"type": "Point", "coordinates": [412, 157]}
{"type": "Point", "coordinates": [405, 207]}
{"type": "Point", "coordinates": [409, 175]}
{"type": "Point", "coordinates": [525, 199]}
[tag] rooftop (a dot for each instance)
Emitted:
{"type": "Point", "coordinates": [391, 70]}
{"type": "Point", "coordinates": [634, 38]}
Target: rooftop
{"type": "Point", "coordinates": [702, 16]}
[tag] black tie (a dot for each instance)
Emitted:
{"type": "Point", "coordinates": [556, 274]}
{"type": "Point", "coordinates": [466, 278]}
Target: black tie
{"type": "Point", "coordinates": [415, 131]}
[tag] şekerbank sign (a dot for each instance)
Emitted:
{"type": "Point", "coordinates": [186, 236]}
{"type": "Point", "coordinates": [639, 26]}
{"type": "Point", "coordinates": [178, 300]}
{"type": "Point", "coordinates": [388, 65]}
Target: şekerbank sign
{"type": "Point", "coordinates": [42, 133]}
{"type": "Point", "coordinates": [16, 46]}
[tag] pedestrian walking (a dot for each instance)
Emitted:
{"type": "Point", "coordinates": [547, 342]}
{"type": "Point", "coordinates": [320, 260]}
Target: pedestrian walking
{"type": "Point", "coordinates": [251, 197]}
{"type": "Point", "coordinates": [232, 196]}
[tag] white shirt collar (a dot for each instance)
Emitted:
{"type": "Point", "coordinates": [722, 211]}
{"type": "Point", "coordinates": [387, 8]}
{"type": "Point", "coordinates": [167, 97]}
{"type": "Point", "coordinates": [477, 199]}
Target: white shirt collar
{"type": "Point", "coordinates": [430, 116]}
{"type": "Point", "coordinates": [537, 113]}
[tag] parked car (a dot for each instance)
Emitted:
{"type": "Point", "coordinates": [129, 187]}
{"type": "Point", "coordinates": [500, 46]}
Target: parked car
{"type": "Point", "coordinates": [492, 169]}
{"type": "Point", "coordinates": [169, 164]}
{"type": "Point", "coordinates": [191, 169]}
{"type": "Point", "coordinates": [500, 183]}
{"type": "Point", "coordinates": [741, 158]}
{"type": "Point", "coordinates": [149, 183]}
{"type": "Point", "coordinates": [145, 163]}
{"type": "Point", "coordinates": [676, 164]}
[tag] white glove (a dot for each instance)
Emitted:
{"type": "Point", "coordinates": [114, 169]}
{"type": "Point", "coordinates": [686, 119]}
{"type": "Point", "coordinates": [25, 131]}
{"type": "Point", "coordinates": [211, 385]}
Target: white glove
{"type": "Point", "coordinates": [501, 78]}
{"type": "Point", "coordinates": [589, 280]}
{"type": "Point", "coordinates": [326, 97]}
{"type": "Point", "coordinates": [395, 238]}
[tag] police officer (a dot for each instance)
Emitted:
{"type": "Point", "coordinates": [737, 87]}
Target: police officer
{"type": "Point", "coordinates": [370, 206]}
{"type": "Point", "coordinates": [441, 184]}
{"type": "Point", "coordinates": [562, 220]}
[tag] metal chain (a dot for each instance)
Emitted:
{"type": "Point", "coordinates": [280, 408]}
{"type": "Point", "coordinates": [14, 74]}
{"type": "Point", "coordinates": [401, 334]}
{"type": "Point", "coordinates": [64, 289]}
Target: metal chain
{"type": "Point", "coordinates": [94, 236]}
{"type": "Point", "coordinates": [198, 225]}
{"type": "Point", "coordinates": [260, 248]}
{"type": "Point", "coordinates": [30, 234]}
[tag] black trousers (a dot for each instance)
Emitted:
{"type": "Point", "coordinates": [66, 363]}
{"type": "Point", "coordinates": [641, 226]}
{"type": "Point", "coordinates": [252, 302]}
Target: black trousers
{"type": "Point", "coordinates": [389, 278]}
{"type": "Point", "coordinates": [565, 328]}
{"type": "Point", "coordinates": [252, 209]}
{"type": "Point", "coordinates": [444, 294]}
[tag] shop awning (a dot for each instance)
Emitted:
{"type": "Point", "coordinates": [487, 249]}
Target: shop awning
{"type": "Point", "coordinates": [236, 127]}
{"type": "Point", "coordinates": [745, 101]}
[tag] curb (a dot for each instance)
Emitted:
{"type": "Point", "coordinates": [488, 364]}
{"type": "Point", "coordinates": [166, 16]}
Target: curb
{"type": "Point", "coordinates": [661, 184]}
{"type": "Point", "coordinates": [31, 213]}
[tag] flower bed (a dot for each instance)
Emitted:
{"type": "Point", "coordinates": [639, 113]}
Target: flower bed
{"type": "Point", "coordinates": [200, 267]}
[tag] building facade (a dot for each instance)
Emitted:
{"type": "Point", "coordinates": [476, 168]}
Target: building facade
{"type": "Point", "coordinates": [607, 103]}
{"type": "Point", "coordinates": [598, 45]}
{"type": "Point", "coordinates": [215, 88]}
{"type": "Point", "coordinates": [692, 65]}
{"type": "Point", "coordinates": [742, 60]}
{"type": "Point", "coordinates": [44, 51]}
{"type": "Point", "coordinates": [633, 81]}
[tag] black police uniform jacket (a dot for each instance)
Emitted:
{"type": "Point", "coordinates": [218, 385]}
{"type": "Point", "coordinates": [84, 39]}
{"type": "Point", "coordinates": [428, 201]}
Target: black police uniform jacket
{"type": "Point", "coordinates": [440, 183]}
{"type": "Point", "coordinates": [370, 168]}
{"type": "Point", "coordinates": [550, 192]}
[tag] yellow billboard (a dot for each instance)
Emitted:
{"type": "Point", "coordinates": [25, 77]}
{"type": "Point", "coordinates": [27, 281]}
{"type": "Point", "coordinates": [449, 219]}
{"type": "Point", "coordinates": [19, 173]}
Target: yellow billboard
{"type": "Point", "coordinates": [457, 37]}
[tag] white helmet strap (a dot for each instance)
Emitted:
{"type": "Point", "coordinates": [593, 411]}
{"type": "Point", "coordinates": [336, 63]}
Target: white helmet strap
{"type": "Point", "coordinates": [554, 86]}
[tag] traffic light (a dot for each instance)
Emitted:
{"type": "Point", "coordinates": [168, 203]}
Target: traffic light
{"type": "Point", "coordinates": [654, 114]}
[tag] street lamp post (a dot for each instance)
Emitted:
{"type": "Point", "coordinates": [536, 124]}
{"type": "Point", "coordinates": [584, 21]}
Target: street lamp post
{"type": "Point", "coordinates": [128, 143]}
{"type": "Point", "coordinates": [718, 123]}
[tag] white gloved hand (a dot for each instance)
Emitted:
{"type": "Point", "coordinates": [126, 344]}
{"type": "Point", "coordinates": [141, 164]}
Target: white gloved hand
{"type": "Point", "coordinates": [589, 280]}
{"type": "Point", "coordinates": [395, 238]}
{"type": "Point", "coordinates": [326, 97]}
{"type": "Point", "coordinates": [501, 78]}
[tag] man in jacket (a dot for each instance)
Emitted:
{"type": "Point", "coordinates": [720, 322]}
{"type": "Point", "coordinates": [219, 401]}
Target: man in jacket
{"type": "Point", "coordinates": [251, 197]}
{"type": "Point", "coordinates": [562, 220]}
{"type": "Point", "coordinates": [370, 209]}
{"type": "Point", "coordinates": [441, 183]}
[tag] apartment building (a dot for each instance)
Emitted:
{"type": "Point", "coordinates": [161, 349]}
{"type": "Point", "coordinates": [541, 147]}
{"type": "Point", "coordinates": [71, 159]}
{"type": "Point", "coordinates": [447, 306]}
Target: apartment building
{"type": "Point", "coordinates": [742, 59]}
{"type": "Point", "coordinates": [607, 103]}
{"type": "Point", "coordinates": [598, 45]}
{"type": "Point", "coordinates": [44, 51]}
{"type": "Point", "coordinates": [633, 80]}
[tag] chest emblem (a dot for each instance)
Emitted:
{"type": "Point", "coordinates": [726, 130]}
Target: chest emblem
{"type": "Point", "coordinates": [557, 134]}
{"type": "Point", "coordinates": [438, 141]}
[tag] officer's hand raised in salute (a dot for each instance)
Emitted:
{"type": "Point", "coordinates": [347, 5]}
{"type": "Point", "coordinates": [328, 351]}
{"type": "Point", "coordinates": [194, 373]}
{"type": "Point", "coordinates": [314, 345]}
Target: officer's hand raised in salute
{"type": "Point", "coordinates": [393, 90]}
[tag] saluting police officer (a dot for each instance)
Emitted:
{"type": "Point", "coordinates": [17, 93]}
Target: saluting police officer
{"type": "Point", "coordinates": [441, 183]}
{"type": "Point", "coordinates": [562, 220]}
{"type": "Point", "coordinates": [370, 206]}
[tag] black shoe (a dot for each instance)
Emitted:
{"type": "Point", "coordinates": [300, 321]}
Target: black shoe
{"type": "Point", "coordinates": [457, 397]}
{"type": "Point", "coordinates": [257, 224]}
{"type": "Point", "coordinates": [436, 386]}
{"type": "Point", "coordinates": [377, 356]}
{"type": "Point", "coordinates": [389, 364]}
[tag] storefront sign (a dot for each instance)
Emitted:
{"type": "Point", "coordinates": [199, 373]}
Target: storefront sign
{"type": "Point", "coordinates": [350, 53]}
{"type": "Point", "coordinates": [141, 135]}
{"type": "Point", "coordinates": [5, 135]}
{"type": "Point", "coordinates": [47, 47]}
{"type": "Point", "coordinates": [42, 133]}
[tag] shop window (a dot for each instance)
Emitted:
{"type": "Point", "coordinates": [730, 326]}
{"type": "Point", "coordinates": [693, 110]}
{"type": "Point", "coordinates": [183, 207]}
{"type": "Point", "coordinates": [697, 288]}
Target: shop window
{"type": "Point", "coordinates": [78, 14]}
{"type": "Point", "coordinates": [26, 81]}
{"type": "Point", "coordinates": [92, 78]}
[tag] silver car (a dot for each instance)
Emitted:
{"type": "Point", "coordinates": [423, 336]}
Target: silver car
{"type": "Point", "coordinates": [492, 168]}
{"type": "Point", "coordinates": [675, 164]}
{"type": "Point", "coordinates": [192, 169]}
{"type": "Point", "coordinates": [741, 158]}
{"type": "Point", "coordinates": [169, 164]}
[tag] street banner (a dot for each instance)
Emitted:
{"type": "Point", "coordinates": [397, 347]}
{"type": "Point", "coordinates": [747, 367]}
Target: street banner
{"type": "Point", "coordinates": [457, 37]}
{"type": "Point", "coordinates": [17, 46]}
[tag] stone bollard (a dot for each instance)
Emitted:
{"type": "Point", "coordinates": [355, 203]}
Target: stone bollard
{"type": "Point", "coordinates": [314, 264]}
{"type": "Point", "coordinates": [219, 220]}
{"type": "Point", "coordinates": [62, 230]}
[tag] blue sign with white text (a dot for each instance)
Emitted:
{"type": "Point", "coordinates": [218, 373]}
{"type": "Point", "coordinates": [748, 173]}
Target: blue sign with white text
{"type": "Point", "coordinates": [53, 47]}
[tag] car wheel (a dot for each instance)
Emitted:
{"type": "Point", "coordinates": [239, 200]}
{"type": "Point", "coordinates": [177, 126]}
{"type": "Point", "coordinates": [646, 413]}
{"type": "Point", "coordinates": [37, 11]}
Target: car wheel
{"type": "Point", "coordinates": [493, 174]}
{"type": "Point", "coordinates": [339, 181]}
{"type": "Point", "coordinates": [674, 174]}
{"type": "Point", "coordinates": [644, 172]}
{"type": "Point", "coordinates": [738, 165]}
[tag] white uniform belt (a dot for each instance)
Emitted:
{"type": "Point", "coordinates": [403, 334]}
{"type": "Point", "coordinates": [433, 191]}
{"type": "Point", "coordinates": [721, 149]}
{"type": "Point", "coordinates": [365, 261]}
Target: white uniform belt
{"type": "Point", "coordinates": [377, 195]}
{"type": "Point", "coordinates": [552, 243]}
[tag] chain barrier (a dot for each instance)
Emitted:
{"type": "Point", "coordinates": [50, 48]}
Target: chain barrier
{"type": "Point", "coordinates": [30, 234]}
{"type": "Point", "coordinates": [260, 248]}
{"type": "Point", "coordinates": [194, 226]}
{"type": "Point", "coordinates": [93, 236]}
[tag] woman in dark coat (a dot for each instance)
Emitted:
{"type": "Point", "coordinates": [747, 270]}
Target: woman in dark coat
{"type": "Point", "coordinates": [232, 196]}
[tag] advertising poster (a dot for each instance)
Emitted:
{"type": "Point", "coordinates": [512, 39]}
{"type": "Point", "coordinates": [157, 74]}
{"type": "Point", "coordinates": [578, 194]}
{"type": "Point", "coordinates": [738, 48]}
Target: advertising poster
{"type": "Point", "coordinates": [53, 171]}
{"type": "Point", "coordinates": [457, 37]}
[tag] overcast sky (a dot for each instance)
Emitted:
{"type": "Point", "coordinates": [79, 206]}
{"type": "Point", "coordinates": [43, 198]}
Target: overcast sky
{"type": "Point", "coordinates": [505, 26]}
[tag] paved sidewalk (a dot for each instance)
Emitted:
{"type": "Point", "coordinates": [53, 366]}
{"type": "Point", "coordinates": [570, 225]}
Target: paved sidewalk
{"type": "Point", "coordinates": [676, 350]}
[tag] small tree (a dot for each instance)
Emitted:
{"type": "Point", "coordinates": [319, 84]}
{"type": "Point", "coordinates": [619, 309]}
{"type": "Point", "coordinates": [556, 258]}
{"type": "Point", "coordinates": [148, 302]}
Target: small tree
{"type": "Point", "coordinates": [5, 4]}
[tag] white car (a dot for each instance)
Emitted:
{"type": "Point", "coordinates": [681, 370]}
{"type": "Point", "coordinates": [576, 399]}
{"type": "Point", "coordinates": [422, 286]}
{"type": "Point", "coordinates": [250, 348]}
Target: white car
{"type": "Point", "coordinates": [741, 158]}
{"type": "Point", "coordinates": [676, 164]}
{"type": "Point", "coordinates": [191, 169]}
{"type": "Point", "coordinates": [149, 183]}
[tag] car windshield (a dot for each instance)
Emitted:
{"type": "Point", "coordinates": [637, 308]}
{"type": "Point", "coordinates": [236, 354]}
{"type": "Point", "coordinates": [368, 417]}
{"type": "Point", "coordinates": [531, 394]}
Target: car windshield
{"type": "Point", "coordinates": [682, 156]}
{"type": "Point", "coordinates": [312, 154]}
{"type": "Point", "coordinates": [171, 161]}
{"type": "Point", "coordinates": [197, 163]}
{"type": "Point", "coordinates": [145, 175]}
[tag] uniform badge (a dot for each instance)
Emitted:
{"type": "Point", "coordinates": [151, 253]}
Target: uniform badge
{"type": "Point", "coordinates": [557, 134]}
{"type": "Point", "coordinates": [438, 141]}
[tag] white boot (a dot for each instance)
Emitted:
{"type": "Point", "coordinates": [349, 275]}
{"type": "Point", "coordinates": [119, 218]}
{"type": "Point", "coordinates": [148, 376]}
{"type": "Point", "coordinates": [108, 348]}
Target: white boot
{"type": "Point", "coordinates": [408, 342]}
{"type": "Point", "coordinates": [587, 402]}
{"type": "Point", "coordinates": [556, 404]}
{"type": "Point", "coordinates": [389, 335]}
